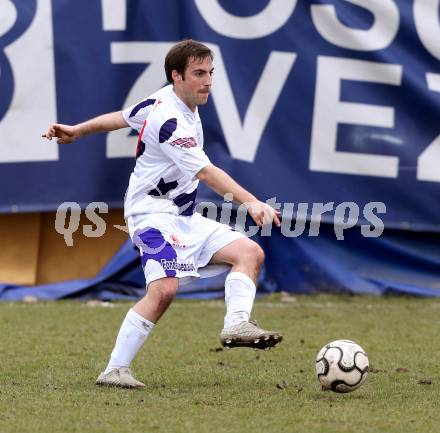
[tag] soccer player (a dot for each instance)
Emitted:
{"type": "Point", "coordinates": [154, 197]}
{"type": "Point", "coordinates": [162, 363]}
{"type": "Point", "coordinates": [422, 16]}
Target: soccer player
{"type": "Point", "coordinates": [176, 243]}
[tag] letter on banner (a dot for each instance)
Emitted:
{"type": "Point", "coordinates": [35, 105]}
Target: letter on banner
{"type": "Point", "coordinates": [34, 102]}
{"type": "Point", "coordinates": [426, 17]}
{"type": "Point", "coordinates": [243, 139]}
{"type": "Point", "coordinates": [379, 36]}
{"type": "Point", "coordinates": [428, 161]}
{"type": "Point", "coordinates": [269, 20]}
{"type": "Point", "coordinates": [114, 15]}
{"type": "Point", "coordinates": [329, 111]}
{"type": "Point", "coordinates": [119, 143]}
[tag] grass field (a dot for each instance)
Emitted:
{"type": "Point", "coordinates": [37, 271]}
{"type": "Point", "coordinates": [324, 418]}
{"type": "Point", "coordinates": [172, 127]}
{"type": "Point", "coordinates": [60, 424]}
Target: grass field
{"type": "Point", "coordinates": [51, 354]}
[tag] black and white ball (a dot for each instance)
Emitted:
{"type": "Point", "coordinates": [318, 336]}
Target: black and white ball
{"type": "Point", "coordinates": [342, 366]}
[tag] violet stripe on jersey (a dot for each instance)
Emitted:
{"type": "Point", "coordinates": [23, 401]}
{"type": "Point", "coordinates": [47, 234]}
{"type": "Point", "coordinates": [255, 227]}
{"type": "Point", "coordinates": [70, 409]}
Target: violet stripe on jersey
{"type": "Point", "coordinates": [163, 188]}
{"type": "Point", "coordinates": [167, 129]}
{"type": "Point", "coordinates": [186, 203]}
{"type": "Point", "coordinates": [140, 148]}
{"type": "Point", "coordinates": [141, 105]}
{"type": "Point", "coordinates": [153, 246]}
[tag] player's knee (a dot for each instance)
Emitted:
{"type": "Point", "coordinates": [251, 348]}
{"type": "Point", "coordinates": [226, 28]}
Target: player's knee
{"type": "Point", "coordinates": [253, 253]}
{"type": "Point", "coordinates": [259, 255]}
{"type": "Point", "coordinates": [165, 289]}
{"type": "Point", "coordinates": [169, 292]}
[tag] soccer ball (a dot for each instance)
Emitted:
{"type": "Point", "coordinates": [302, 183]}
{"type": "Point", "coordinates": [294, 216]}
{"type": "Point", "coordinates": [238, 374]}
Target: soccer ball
{"type": "Point", "coordinates": [342, 366]}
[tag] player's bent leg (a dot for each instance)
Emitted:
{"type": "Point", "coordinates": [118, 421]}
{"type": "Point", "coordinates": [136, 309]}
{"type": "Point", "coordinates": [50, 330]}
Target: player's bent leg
{"type": "Point", "coordinates": [246, 258]}
{"type": "Point", "coordinates": [244, 255]}
{"type": "Point", "coordinates": [135, 329]}
{"type": "Point", "coordinates": [159, 296]}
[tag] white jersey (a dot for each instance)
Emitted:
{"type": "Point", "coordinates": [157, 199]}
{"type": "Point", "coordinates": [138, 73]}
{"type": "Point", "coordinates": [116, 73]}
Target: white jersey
{"type": "Point", "coordinates": [169, 155]}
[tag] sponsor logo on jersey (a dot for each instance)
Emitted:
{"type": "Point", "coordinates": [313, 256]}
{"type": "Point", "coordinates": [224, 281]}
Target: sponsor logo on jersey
{"type": "Point", "coordinates": [185, 142]}
{"type": "Point", "coordinates": [173, 265]}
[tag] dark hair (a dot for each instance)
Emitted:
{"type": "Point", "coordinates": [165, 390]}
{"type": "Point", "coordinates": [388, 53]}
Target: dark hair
{"type": "Point", "coordinates": [177, 58]}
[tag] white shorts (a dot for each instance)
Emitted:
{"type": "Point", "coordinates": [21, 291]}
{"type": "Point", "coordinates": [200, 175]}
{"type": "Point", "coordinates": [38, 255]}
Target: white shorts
{"type": "Point", "coordinates": [179, 246]}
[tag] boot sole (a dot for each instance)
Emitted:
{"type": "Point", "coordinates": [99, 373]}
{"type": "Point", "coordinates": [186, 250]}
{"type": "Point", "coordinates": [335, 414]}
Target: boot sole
{"type": "Point", "coordinates": [262, 343]}
{"type": "Point", "coordinates": [119, 385]}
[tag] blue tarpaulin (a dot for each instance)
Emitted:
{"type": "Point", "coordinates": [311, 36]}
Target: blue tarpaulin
{"type": "Point", "coordinates": [396, 263]}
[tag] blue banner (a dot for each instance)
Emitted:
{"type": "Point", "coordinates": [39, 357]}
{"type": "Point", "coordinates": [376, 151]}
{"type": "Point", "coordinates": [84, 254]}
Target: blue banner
{"type": "Point", "coordinates": [314, 101]}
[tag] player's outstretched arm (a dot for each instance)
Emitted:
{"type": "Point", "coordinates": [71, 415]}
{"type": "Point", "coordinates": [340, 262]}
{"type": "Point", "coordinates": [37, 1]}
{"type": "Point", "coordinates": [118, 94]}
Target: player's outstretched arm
{"type": "Point", "coordinates": [69, 133]}
{"type": "Point", "coordinates": [219, 181]}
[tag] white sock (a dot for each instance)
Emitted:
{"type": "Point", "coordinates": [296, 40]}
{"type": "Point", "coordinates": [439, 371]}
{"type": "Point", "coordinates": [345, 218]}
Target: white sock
{"type": "Point", "coordinates": [132, 335]}
{"type": "Point", "coordinates": [239, 297]}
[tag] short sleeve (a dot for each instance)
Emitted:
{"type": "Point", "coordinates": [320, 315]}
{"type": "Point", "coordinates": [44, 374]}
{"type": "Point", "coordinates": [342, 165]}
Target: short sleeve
{"type": "Point", "coordinates": [137, 114]}
{"type": "Point", "coordinates": [181, 147]}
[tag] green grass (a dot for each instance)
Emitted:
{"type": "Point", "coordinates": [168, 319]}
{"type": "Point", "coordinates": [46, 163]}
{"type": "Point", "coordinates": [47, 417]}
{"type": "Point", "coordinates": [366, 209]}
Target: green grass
{"type": "Point", "coordinates": [51, 353]}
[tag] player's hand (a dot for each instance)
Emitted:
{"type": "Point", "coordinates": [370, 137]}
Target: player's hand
{"type": "Point", "coordinates": [65, 133]}
{"type": "Point", "coordinates": [263, 214]}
